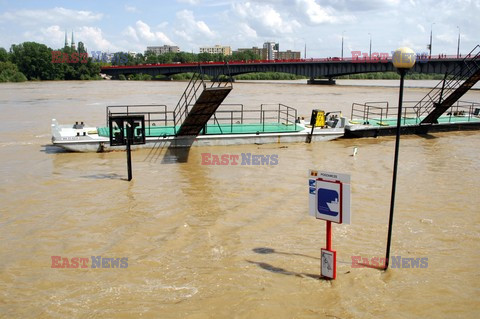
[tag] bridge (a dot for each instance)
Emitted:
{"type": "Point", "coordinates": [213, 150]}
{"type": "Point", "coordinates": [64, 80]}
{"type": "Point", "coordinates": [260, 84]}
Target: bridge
{"type": "Point", "coordinates": [310, 68]}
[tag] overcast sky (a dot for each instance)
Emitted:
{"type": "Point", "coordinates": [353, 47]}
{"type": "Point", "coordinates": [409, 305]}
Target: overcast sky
{"type": "Point", "coordinates": [112, 26]}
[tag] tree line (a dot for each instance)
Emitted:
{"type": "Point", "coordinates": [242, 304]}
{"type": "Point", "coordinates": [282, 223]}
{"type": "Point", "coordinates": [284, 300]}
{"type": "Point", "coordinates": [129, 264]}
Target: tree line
{"type": "Point", "coordinates": [182, 57]}
{"type": "Point", "coordinates": [33, 61]}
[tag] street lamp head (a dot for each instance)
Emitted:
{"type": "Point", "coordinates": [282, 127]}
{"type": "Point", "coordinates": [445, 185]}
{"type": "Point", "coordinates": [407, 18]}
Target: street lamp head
{"type": "Point", "coordinates": [404, 58]}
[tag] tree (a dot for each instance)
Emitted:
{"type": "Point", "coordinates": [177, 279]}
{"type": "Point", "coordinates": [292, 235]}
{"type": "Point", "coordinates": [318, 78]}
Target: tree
{"type": "Point", "coordinates": [3, 55]}
{"type": "Point", "coordinates": [150, 57]}
{"type": "Point", "coordinates": [34, 60]}
{"type": "Point", "coordinates": [9, 73]}
{"type": "Point", "coordinates": [81, 47]}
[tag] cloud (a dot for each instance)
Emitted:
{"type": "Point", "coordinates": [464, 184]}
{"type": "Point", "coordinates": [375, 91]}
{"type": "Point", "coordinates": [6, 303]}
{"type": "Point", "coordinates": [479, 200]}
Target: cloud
{"type": "Point", "coordinates": [94, 39]}
{"type": "Point", "coordinates": [421, 28]}
{"type": "Point", "coordinates": [189, 28]}
{"type": "Point", "coordinates": [131, 9]}
{"type": "Point", "coordinates": [131, 33]}
{"type": "Point", "coordinates": [448, 38]}
{"type": "Point", "coordinates": [264, 19]}
{"type": "Point", "coordinates": [191, 2]}
{"type": "Point", "coordinates": [54, 37]}
{"type": "Point", "coordinates": [57, 15]}
{"type": "Point", "coordinates": [315, 13]}
{"type": "Point", "coordinates": [318, 14]}
{"type": "Point", "coordinates": [143, 34]}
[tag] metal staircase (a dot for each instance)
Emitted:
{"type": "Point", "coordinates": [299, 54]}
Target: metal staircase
{"type": "Point", "coordinates": [198, 103]}
{"type": "Point", "coordinates": [455, 84]}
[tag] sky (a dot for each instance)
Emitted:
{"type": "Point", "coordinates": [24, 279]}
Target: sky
{"type": "Point", "coordinates": [112, 26]}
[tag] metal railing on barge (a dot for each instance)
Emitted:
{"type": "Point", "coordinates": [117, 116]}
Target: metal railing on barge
{"type": "Point", "coordinates": [378, 113]}
{"type": "Point", "coordinates": [225, 119]}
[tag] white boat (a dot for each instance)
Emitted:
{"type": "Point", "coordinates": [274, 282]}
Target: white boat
{"type": "Point", "coordinates": [227, 127]}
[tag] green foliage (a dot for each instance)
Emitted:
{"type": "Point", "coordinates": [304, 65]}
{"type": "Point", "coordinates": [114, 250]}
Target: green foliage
{"type": "Point", "coordinates": [268, 76]}
{"type": "Point", "coordinates": [140, 77]}
{"type": "Point", "coordinates": [185, 57]}
{"type": "Point", "coordinates": [81, 47]}
{"type": "Point", "coordinates": [3, 55]}
{"type": "Point", "coordinates": [187, 77]}
{"type": "Point", "coordinates": [122, 77]}
{"type": "Point", "coordinates": [9, 73]}
{"type": "Point", "coordinates": [38, 62]}
{"type": "Point", "coordinates": [244, 56]}
{"type": "Point", "coordinates": [33, 60]}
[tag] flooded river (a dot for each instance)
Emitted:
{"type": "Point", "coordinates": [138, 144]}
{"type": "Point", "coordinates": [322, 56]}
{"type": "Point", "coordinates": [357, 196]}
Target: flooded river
{"type": "Point", "coordinates": [233, 241]}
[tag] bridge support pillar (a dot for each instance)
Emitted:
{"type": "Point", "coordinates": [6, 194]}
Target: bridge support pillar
{"type": "Point", "coordinates": [329, 81]}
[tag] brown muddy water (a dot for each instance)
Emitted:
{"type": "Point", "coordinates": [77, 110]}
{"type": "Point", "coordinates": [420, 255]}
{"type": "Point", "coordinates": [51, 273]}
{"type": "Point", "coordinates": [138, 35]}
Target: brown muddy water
{"type": "Point", "coordinates": [229, 241]}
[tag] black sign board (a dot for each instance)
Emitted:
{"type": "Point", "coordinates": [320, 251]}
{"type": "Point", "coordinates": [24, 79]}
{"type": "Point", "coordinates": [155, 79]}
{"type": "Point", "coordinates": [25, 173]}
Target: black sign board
{"type": "Point", "coordinates": [126, 126]}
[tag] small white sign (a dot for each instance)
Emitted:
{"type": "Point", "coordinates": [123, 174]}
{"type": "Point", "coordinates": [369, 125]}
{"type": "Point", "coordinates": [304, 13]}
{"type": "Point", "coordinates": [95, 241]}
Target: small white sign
{"type": "Point", "coordinates": [328, 268]}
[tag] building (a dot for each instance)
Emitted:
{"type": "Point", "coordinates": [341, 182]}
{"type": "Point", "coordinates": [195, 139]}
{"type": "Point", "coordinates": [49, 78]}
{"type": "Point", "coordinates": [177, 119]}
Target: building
{"type": "Point", "coordinates": [289, 55]}
{"type": "Point", "coordinates": [163, 49]}
{"type": "Point", "coordinates": [225, 50]}
{"type": "Point", "coordinates": [270, 50]}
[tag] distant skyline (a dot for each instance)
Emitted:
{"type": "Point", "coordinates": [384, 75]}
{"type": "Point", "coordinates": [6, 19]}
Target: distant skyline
{"type": "Point", "coordinates": [112, 26]}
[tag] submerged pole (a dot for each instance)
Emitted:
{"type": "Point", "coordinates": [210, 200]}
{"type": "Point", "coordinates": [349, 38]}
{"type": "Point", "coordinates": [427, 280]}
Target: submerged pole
{"type": "Point", "coordinates": [129, 155]}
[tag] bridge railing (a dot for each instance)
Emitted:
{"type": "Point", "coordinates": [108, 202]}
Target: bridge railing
{"type": "Point", "coordinates": [360, 59]}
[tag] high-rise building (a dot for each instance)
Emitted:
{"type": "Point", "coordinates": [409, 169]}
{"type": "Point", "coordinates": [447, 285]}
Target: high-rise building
{"type": "Point", "coordinates": [225, 50]}
{"type": "Point", "coordinates": [270, 50]}
{"type": "Point", "coordinates": [163, 49]}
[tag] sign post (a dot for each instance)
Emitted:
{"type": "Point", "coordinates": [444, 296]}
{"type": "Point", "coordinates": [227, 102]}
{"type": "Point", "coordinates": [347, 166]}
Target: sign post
{"type": "Point", "coordinates": [127, 130]}
{"type": "Point", "coordinates": [329, 200]}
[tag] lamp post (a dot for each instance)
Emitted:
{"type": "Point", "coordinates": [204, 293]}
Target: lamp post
{"type": "Point", "coordinates": [403, 59]}
{"type": "Point", "coordinates": [370, 53]}
{"type": "Point", "coordinates": [458, 44]}
{"type": "Point", "coordinates": [342, 43]}
{"type": "Point", "coordinates": [431, 32]}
